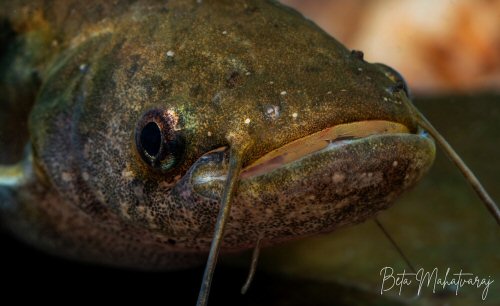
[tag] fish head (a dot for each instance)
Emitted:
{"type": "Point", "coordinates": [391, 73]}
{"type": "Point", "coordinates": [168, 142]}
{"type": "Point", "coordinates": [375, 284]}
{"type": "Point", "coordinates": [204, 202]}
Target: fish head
{"type": "Point", "coordinates": [139, 119]}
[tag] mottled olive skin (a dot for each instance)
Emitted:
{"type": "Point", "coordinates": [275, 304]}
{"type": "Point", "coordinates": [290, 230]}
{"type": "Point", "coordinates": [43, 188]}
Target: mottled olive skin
{"type": "Point", "coordinates": [216, 67]}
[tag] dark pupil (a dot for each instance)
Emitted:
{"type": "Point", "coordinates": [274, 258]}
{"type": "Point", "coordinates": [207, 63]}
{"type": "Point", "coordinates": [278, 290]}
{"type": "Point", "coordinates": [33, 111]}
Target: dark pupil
{"type": "Point", "coordinates": [151, 139]}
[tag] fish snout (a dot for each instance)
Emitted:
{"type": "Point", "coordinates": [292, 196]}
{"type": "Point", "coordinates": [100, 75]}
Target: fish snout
{"type": "Point", "coordinates": [345, 182]}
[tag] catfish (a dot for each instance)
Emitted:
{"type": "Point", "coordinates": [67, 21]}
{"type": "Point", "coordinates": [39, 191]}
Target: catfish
{"type": "Point", "coordinates": [163, 131]}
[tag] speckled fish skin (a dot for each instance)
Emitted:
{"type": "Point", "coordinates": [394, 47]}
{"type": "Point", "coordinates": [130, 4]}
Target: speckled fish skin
{"type": "Point", "coordinates": [217, 67]}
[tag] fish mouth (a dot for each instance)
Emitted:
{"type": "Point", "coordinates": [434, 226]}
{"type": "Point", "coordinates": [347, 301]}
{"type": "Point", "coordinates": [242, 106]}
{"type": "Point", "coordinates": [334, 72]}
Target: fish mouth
{"type": "Point", "coordinates": [338, 176]}
{"type": "Point", "coordinates": [330, 137]}
{"type": "Point", "coordinates": [389, 154]}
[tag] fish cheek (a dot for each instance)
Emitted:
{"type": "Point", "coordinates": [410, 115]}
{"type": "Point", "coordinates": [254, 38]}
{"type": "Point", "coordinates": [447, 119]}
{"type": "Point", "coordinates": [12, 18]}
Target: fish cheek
{"type": "Point", "coordinates": [54, 123]}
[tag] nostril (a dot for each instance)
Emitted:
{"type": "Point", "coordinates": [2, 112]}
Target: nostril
{"type": "Point", "coordinates": [400, 86]}
{"type": "Point", "coordinates": [358, 55]}
{"type": "Point", "coordinates": [399, 82]}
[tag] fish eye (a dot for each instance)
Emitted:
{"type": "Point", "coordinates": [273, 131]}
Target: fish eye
{"type": "Point", "coordinates": [397, 78]}
{"type": "Point", "coordinates": [157, 141]}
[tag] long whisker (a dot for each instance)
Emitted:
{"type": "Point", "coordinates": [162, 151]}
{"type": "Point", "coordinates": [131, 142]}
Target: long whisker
{"type": "Point", "coordinates": [253, 266]}
{"type": "Point", "coordinates": [235, 163]}
{"type": "Point", "coordinates": [468, 174]}
{"type": "Point", "coordinates": [395, 245]}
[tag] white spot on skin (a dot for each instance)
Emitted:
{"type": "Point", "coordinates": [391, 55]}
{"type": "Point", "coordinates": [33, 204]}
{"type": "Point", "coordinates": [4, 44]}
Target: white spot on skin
{"type": "Point", "coordinates": [124, 211]}
{"type": "Point", "coordinates": [343, 203]}
{"type": "Point", "coordinates": [369, 179]}
{"type": "Point", "coordinates": [247, 121]}
{"type": "Point", "coordinates": [141, 209]}
{"type": "Point", "coordinates": [283, 93]}
{"type": "Point", "coordinates": [338, 177]}
{"type": "Point", "coordinates": [127, 174]}
{"type": "Point", "coordinates": [295, 115]}
{"type": "Point", "coordinates": [170, 53]}
{"type": "Point", "coordinates": [85, 176]}
{"type": "Point", "coordinates": [66, 176]}
{"type": "Point", "coordinates": [395, 163]}
{"type": "Point", "coordinates": [311, 197]}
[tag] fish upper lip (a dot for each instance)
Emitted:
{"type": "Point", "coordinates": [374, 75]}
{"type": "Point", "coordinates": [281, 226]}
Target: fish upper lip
{"type": "Point", "coordinates": [318, 141]}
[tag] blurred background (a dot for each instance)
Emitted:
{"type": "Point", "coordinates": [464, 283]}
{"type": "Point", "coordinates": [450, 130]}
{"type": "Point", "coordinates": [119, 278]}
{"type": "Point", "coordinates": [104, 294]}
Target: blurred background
{"type": "Point", "coordinates": [449, 52]}
{"type": "Point", "coordinates": [439, 46]}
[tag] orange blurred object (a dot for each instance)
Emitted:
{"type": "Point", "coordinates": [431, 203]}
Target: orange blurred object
{"type": "Point", "coordinates": [439, 46]}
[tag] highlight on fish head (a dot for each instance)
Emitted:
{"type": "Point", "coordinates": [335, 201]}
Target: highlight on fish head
{"type": "Point", "coordinates": [140, 117]}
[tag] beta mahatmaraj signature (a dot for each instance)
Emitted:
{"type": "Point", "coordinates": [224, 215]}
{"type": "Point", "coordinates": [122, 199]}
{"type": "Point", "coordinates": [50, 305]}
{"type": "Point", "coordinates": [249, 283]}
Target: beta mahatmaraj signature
{"type": "Point", "coordinates": [433, 279]}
